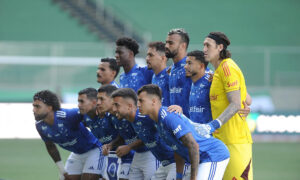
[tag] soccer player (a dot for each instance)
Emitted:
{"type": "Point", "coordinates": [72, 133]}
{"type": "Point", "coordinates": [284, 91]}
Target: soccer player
{"type": "Point", "coordinates": [143, 163]}
{"type": "Point", "coordinates": [134, 76]}
{"type": "Point", "coordinates": [157, 61]}
{"type": "Point", "coordinates": [64, 127]}
{"type": "Point", "coordinates": [195, 67]}
{"type": "Point", "coordinates": [181, 136]}
{"type": "Point", "coordinates": [176, 48]}
{"type": "Point", "coordinates": [227, 92]}
{"type": "Point", "coordinates": [125, 101]}
{"type": "Point", "coordinates": [101, 125]}
{"type": "Point", "coordinates": [107, 71]}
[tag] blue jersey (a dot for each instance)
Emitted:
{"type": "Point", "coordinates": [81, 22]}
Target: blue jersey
{"type": "Point", "coordinates": [114, 83]}
{"type": "Point", "coordinates": [172, 127]}
{"type": "Point", "coordinates": [162, 80]}
{"type": "Point", "coordinates": [136, 78]}
{"type": "Point", "coordinates": [127, 132]}
{"type": "Point", "coordinates": [180, 86]}
{"type": "Point", "coordinates": [200, 111]}
{"type": "Point", "coordinates": [147, 132]}
{"type": "Point", "coordinates": [68, 132]}
{"type": "Point", "coordinates": [102, 128]}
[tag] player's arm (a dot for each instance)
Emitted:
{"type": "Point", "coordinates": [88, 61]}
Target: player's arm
{"type": "Point", "coordinates": [114, 143]}
{"type": "Point", "coordinates": [179, 166]}
{"type": "Point", "coordinates": [193, 148]}
{"type": "Point", "coordinates": [125, 149]}
{"type": "Point", "coordinates": [53, 152]}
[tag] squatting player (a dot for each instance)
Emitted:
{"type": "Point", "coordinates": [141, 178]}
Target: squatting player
{"type": "Point", "coordinates": [64, 127]}
{"type": "Point", "coordinates": [181, 136]}
{"type": "Point", "coordinates": [227, 92]}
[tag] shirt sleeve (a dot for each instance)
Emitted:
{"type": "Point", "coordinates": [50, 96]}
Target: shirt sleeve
{"type": "Point", "coordinates": [176, 124]}
{"type": "Point", "coordinates": [230, 78]}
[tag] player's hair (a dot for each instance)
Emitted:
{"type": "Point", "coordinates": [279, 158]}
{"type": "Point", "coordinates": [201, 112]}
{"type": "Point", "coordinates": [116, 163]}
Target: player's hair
{"type": "Point", "coordinates": [125, 93]}
{"type": "Point", "coordinates": [158, 45]}
{"type": "Point", "coordinates": [182, 33]}
{"type": "Point", "coordinates": [91, 93]}
{"type": "Point", "coordinates": [221, 38]}
{"type": "Point", "coordinates": [112, 64]}
{"type": "Point", "coordinates": [151, 89]}
{"type": "Point", "coordinates": [108, 89]}
{"type": "Point", "coordinates": [49, 98]}
{"type": "Point", "coordinates": [199, 56]}
{"type": "Point", "coordinates": [129, 43]}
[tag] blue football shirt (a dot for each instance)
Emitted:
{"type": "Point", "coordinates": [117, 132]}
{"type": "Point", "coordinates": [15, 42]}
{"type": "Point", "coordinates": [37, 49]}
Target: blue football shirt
{"type": "Point", "coordinates": [147, 132]}
{"type": "Point", "coordinates": [114, 83]}
{"type": "Point", "coordinates": [162, 80]}
{"type": "Point", "coordinates": [200, 110]}
{"type": "Point", "coordinates": [180, 86]}
{"type": "Point", "coordinates": [136, 78]}
{"type": "Point", "coordinates": [172, 127]}
{"type": "Point", "coordinates": [68, 132]}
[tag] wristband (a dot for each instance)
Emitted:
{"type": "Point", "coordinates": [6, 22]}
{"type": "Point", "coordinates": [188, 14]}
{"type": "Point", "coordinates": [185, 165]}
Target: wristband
{"type": "Point", "coordinates": [216, 124]}
{"type": "Point", "coordinates": [60, 166]}
{"type": "Point", "coordinates": [179, 175]}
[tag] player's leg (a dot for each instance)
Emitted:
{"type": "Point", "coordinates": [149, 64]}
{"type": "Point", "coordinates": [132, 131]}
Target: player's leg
{"type": "Point", "coordinates": [94, 164]}
{"type": "Point", "coordinates": [135, 172]}
{"type": "Point", "coordinates": [240, 163]}
{"type": "Point", "coordinates": [124, 171]}
{"type": "Point", "coordinates": [148, 164]}
{"type": "Point", "coordinates": [73, 166]}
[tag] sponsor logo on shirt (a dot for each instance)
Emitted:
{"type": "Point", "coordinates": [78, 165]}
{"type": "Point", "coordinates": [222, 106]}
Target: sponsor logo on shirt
{"type": "Point", "coordinates": [151, 145]}
{"type": "Point", "coordinates": [177, 129]}
{"type": "Point", "coordinates": [175, 90]}
{"type": "Point", "coordinates": [232, 84]}
{"type": "Point", "coordinates": [106, 139]}
{"type": "Point", "coordinates": [196, 109]}
{"type": "Point", "coordinates": [70, 143]}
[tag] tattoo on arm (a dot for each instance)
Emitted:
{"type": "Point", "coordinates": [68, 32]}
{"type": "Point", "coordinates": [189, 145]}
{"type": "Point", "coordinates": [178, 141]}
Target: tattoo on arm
{"type": "Point", "coordinates": [52, 150]}
{"type": "Point", "coordinates": [234, 98]}
{"type": "Point", "coordinates": [189, 141]}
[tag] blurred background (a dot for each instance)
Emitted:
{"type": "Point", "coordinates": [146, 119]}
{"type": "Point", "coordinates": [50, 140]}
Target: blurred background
{"type": "Point", "coordinates": [58, 44]}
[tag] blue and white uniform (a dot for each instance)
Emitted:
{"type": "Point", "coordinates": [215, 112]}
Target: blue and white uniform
{"type": "Point", "coordinates": [104, 130]}
{"type": "Point", "coordinates": [136, 78]}
{"type": "Point", "coordinates": [114, 83]}
{"type": "Point", "coordinates": [172, 127]}
{"type": "Point", "coordinates": [162, 80]}
{"type": "Point", "coordinates": [69, 133]}
{"type": "Point", "coordinates": [147, 132]}
{"type": "Point", "coordinates": [200, 110]}
{"type": "Point", "coordinates": [180, 86]}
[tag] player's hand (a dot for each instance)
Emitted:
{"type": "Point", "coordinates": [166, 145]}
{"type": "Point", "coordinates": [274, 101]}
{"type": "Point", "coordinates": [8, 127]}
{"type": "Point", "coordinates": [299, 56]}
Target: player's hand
{"type": "Point", "coordinates": [122, 150]}
{"type": "Point", "coordinates": [105, 149]}
{"type": "Point", "coordinates": [245, 111]}
{"type": "Point", "coordinates": [175, 108]}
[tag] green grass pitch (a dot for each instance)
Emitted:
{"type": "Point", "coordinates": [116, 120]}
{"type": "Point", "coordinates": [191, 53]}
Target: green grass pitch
{"type": "Point", "coordinates": [29, 160]}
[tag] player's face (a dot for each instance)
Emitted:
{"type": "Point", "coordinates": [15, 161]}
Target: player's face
{"type": "Point", "coordinates": [104, 102]}
{"type": "Point", "coordinates": [173, 43]}
{"type": "Point", "coordinates": [120, 107]}
{"type": "Point", "coordinates": [104, 74]}
{"type": "Point", "coordinates": [192, 66]}
{"type": "Point", "coordinates": [40, 110]}
{"type": "Point", "coordinates": [153, 58]}
{"type": "Point", "coordinates": [145, 103]}
{"type": "Point", "coordinates": [211, 50]}
{"type": "Point", "coordinates": [122, 55]}
{"type": "Point", "coordinates": [85, 104]}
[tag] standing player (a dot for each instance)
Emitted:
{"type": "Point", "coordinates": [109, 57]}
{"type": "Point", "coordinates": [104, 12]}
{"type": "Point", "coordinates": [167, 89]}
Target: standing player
{"type": "Point", "coordinates": [134, 76]}
{"type": "Point", "coordinates": [143, 164]}
{"type": "Point", "coordinates": [176, 48]}
{"type": "Point", "coordinates": [199, 104]}
{"type": "Point", "coordinates": [107, 71]}
{"type": "Point", "coordinates": [64, 127]}
{"type": "Point", "coordinates": [157, 61]}
{"type": "Point", "coordinates": [227, 92]}
{"type": "Point", "coordinates": [125, 101]}
{"type": "Point", "coordinates": [101, 125]}
{"type": "Point", "coordinates": [181, 136]}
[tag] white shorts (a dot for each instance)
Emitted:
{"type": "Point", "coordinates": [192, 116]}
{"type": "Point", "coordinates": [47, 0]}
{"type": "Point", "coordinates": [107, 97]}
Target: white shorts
{"type": "Point", "coordinates": [143, 166]}
{"type": "Point", "coordinates": [91, 162]}
{"type": "Point", "coordinates": [165, 172]}
{"type": "Point", "coordinates": [210, 170]}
